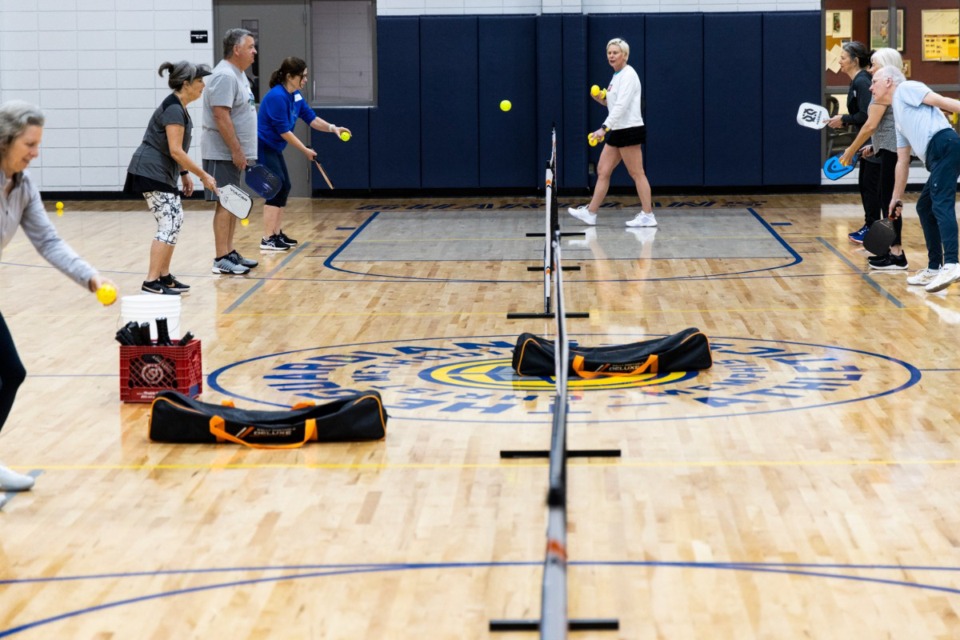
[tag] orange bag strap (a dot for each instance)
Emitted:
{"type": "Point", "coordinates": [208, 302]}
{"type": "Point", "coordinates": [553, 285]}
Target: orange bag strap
{"type": "Point", "coordinates": [650, 366]}
{"type": "Point", "coordinates": [217, 425]}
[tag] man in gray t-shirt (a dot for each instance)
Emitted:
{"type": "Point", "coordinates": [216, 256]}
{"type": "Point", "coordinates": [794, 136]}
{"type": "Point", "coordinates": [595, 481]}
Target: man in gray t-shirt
{"type": "Point", "coordinates": [229, 140]}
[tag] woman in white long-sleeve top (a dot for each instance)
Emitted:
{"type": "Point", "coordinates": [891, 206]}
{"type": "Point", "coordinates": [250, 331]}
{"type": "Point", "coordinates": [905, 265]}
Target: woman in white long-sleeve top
{"type": "Point", "coordinates": [623, 132]}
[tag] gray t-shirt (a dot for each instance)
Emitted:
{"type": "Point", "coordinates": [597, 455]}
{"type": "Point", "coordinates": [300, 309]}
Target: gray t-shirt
{"type": "Point", "coordinates": [229, 87]}
{"type": "Point", "coordinates": [152, 158]}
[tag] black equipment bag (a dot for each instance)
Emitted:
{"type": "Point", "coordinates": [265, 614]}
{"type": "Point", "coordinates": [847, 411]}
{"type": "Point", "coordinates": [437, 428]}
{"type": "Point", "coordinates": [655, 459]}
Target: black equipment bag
{"type": "Point", "coordinates": [175, 417]}
{"type": "Point", "coordinates": [688, 350]}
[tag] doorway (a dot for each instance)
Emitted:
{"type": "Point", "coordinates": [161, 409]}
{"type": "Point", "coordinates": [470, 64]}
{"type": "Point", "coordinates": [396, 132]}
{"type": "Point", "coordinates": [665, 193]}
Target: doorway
{"type": "Point", "coordinates": [281, 30]}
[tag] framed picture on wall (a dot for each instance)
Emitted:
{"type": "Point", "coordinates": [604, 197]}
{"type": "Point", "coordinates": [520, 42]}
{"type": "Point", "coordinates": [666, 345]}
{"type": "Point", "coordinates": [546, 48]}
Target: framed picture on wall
{"type": "Point", "coordinates": [880, 28]}
{"type": "Point", "coordinates": [839, 23]}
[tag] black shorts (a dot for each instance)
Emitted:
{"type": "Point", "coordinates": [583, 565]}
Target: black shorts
{"type": "Point", "coordinates": [629, 137]}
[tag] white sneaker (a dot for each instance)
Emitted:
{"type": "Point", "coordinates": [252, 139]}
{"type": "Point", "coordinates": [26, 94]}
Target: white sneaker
{"type": "Point", "coordinates": [12, 481]}
{"type": "Point", "coordinates": [923, 277]}
{"type": "Point", "coordinates": [643, 219]}
{"type": "Point", "coordinates": [945, 277]}
{"type": "Point", "coordinates": [583, 214]}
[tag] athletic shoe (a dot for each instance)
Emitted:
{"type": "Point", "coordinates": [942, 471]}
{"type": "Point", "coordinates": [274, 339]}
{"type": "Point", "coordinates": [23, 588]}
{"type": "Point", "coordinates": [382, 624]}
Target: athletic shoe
{"type": "Point", "coordinates": [945, 277]}
{"type": "Point", "coordinates": [583, 214]}
{"type": "Point", "coordinates": [172, 283]}
{"type": "Point", "coordinates": [287, 239]}
{"type": "Point", "coordinates": [12, 481]}
{"type": "Point", "coordinates": [922, 278]}
{"type": "Point", "coordinates": [228, 266]}
{"type": "Point", "coordinates": [889, 262]}
{"type": "Point", "coordinates": [273, 243]}
{"type": "Point", "coordinates": [243, 262]}
{"type": "Point", "coordinates": [857, 236]}
{"type": "Point", "coordinates": [157, 286]}
{"type": "Point", "coordinates": [643, 219]}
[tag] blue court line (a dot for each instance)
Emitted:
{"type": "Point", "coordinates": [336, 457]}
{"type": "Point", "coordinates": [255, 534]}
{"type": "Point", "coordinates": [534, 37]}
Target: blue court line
{"type": "Point", "coordinates": [322, 571]}
{"type": "Point", "coordinates": [863, 274]}
{"type": "Point", "coordinates": [265, 277]}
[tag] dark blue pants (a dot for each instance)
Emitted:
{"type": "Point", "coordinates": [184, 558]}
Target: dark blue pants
{"type": "Point", "coordinates": [12, 373]}
{"type": "Point", "coordinates": [937, 204]}
{"type": "Point", "coordinates": [273, 160]}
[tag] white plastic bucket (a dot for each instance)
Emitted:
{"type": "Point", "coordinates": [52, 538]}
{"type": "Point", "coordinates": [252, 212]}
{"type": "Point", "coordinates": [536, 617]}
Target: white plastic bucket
{"type": "Point", "coordinates": [147, 308]}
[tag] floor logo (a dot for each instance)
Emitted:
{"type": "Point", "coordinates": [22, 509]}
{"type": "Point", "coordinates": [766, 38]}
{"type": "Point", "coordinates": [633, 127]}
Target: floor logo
{"type": "Point", "coordinates": [470, 380]}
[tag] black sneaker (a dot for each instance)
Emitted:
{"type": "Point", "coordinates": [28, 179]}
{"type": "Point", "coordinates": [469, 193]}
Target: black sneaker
{"type": "Point", "coordinates": [889, 262]}
{"type": "Point", "coordinates": [287, 239]}
{"type": "Point", "coordinates": [156, 286]}
{"type": "Point", "coordinates": [240, 260]}
{"type": "Point", "coordinates": [172, 283]}
{"type": "Point", "coordinates": [273, 243]}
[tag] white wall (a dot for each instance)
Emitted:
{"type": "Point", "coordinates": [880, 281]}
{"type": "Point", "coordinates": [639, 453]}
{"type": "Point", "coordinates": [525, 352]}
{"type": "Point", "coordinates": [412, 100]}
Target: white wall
{"type": "Point", "coordinates": [91, 65]}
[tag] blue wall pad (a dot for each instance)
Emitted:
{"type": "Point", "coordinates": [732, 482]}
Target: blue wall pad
{"type": "Point", "coordinates": [395, 122]}
{"type": "Point", "coordinates": [674, 116]}
{"type": "Point", "coordinates": [571, 133]}
{"type": "Point", "coordinates": [347, 163]}
{"type": "Point", "coordinates": [733, 99]}
{"type": "Point", "coordinates": [792, 153]}
{"type": "Point", "coordinates": [449, 96]}
{"type": "Point", "coordinates": [549, 85]}
{"type": "Point", "coordinates": [508, 71]}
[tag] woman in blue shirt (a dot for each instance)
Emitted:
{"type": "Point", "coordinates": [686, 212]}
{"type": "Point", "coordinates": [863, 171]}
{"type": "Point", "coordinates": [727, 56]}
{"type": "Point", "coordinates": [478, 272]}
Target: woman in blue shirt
{"type": "Point", "coordinates": [279, 111]}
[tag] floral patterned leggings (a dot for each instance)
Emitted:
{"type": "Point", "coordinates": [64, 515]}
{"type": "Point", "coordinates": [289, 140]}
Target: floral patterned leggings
{"type": "Point", "coordinates": [168, 211]}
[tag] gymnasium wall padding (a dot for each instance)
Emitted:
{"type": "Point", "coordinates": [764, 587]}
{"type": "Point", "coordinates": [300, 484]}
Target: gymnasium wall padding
{"type": "Point", "coordinates": [791, 75]}
{"type": "Point", "coordinates": [549, 85]}
{"type": "Point", "coordinates": [732, 99]}
{"type": "Point", "coordinates": [572, 154]}
{"type": "Point", "coordinates": [507, 69]}
{"type": "Point", "coordinates": [346, 163]}
{"type": "Point", "coordinates": [720, 89]}
{"type": "Point", "coordinates": [674, 103]}
{"type": "Point", "coordinates": [449, 102]}
{"type": "Point", "coordinates": [395, 122]}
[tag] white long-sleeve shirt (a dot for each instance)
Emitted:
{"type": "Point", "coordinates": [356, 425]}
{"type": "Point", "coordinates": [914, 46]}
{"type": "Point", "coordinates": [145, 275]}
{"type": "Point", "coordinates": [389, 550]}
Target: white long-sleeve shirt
{"type": "Point", "coordinates": [623, 100]}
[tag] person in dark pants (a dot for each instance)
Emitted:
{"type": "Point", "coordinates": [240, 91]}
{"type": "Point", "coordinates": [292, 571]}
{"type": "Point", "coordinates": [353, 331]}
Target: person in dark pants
{"type": "Point", "coordinates": [21, 129]}
{"type": "Point", "coordinates": [854, 60]}
{"type": "Point", "coordinates": [279, 111]}
{"type": "Point", "coordinates": [922, 129]}
{"type": "Point", "coordinates": [881, 131]}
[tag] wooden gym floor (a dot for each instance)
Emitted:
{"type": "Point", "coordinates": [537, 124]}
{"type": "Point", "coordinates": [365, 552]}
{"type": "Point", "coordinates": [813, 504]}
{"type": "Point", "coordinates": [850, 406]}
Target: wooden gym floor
{"type": "Point", "coordinates": [803, 487]}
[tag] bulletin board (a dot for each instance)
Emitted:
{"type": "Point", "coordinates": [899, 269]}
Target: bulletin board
{"type": "Point", "coordinates": [940, 32]}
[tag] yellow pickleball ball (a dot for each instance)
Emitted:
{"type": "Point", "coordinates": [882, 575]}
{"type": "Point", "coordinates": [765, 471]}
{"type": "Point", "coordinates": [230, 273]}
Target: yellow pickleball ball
{"type": "Point", "coordinates": [505, 105]}
{"type": "Point", "coordinates": [107, 294]}
{"type": "Point", "coordinates": [244, 222]}
{"type": "Point", "coordinates": [594, 90]}
{"type": "Point", "coordinates": [591, 140]}
{"type": "Point", "coordinates": [345, 135]}
{"type": "Point", "coordinates": [59, 205]}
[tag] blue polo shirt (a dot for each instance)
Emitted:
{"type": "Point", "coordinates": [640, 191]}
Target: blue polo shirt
{"type": "Point", "coordinates": [279, 111]}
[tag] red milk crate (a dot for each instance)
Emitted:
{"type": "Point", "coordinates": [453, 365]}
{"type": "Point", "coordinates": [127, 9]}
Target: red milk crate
{"type": "Point", "coordinates": [145, 371]}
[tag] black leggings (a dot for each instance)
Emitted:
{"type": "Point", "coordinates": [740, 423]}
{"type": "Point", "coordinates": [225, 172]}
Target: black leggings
{"type": "Point", "coordinates": [12, 373]}
{"type": "Point", "coordinates": [888, 174]}
{"type": "Point", "coordinates": [869, 182]}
